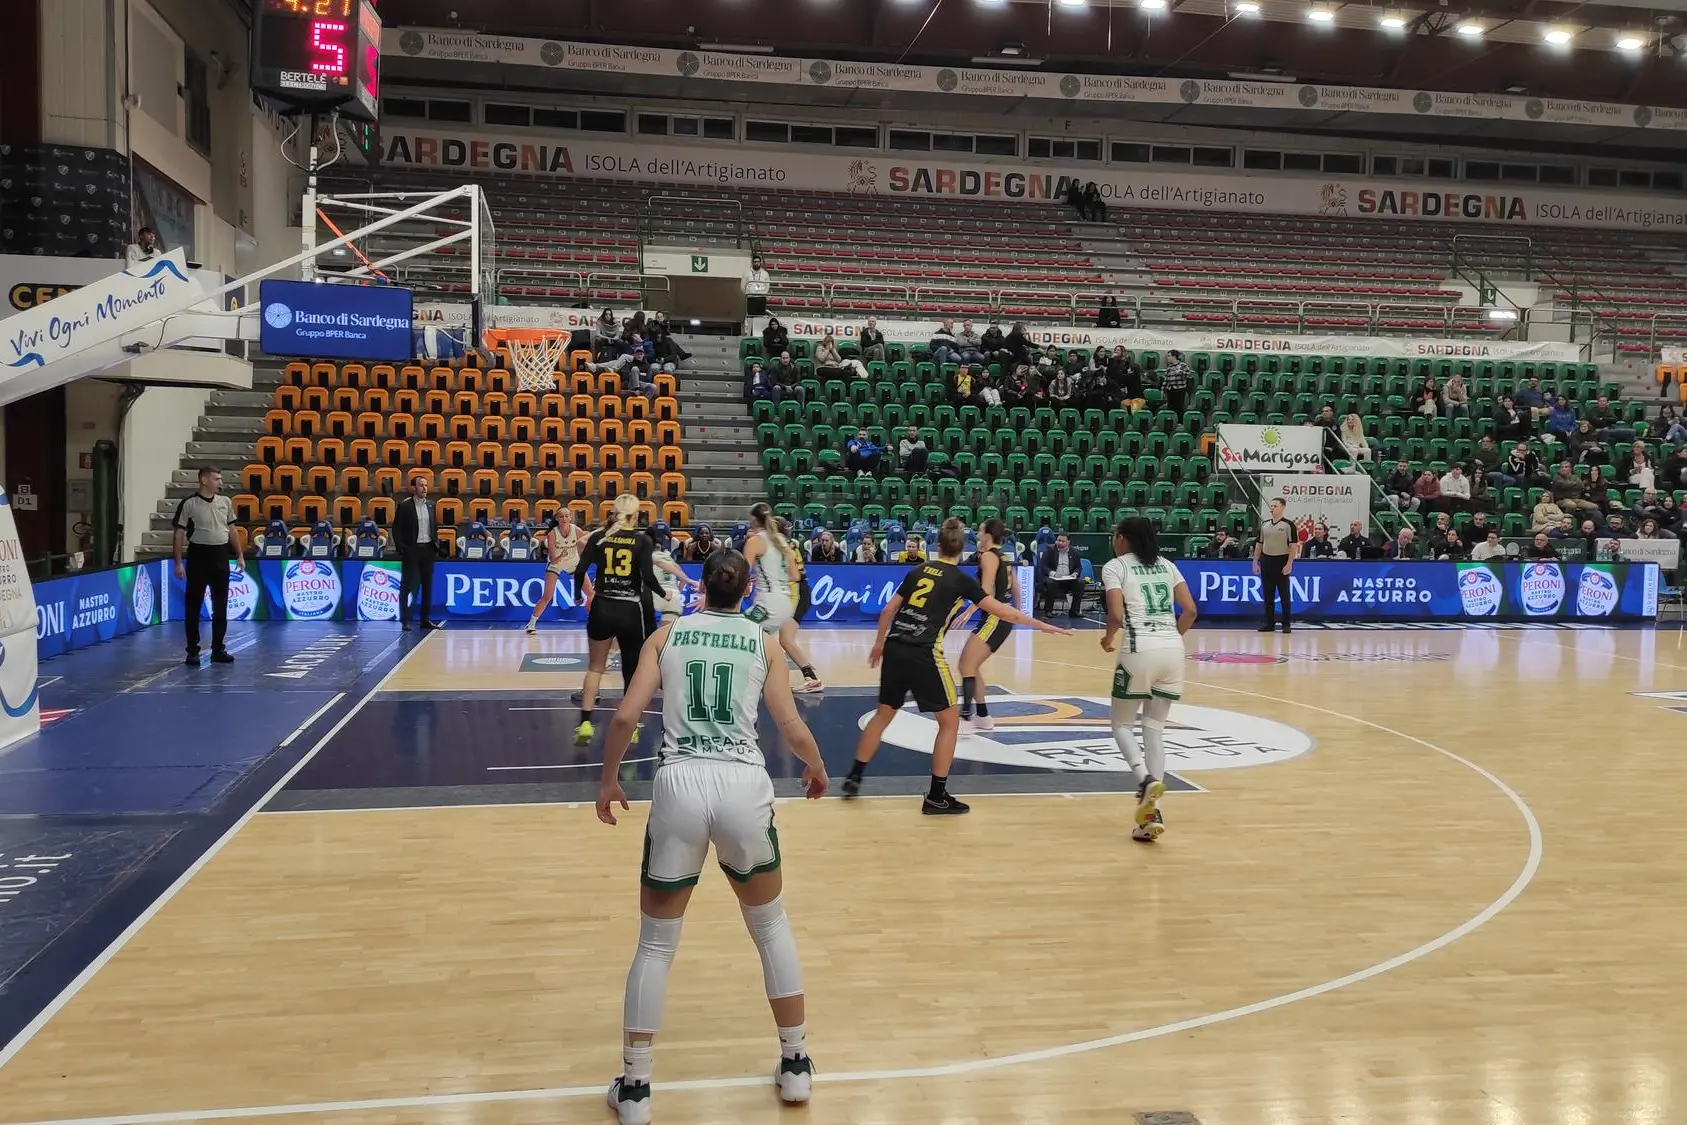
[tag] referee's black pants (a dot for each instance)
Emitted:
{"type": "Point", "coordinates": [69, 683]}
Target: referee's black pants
{"type": "Point", "coordinates": [416, 576]}
{"type": "Point", "coordinates": [1274, 578]}
{"type": "Point", "coordinates": [207, 569]}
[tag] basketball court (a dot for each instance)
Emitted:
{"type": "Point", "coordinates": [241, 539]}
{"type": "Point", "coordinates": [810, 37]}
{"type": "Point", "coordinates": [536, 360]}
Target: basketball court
{"type": "Point", "coordinates": [1409, 876]}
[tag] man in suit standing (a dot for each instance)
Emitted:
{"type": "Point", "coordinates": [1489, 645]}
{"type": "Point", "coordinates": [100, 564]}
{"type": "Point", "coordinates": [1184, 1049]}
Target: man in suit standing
{"type": "Point", "coordinates": [414, 528]}
{"type": "Point", "coordinates": [1062, 577]}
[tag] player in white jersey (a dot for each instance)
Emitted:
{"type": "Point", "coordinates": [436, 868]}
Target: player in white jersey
{"type": "Point", "coordinates": [711, 787]}
{"type": "Point", "coordinates": [674, 580]}
{"type": "Point", "coordinates": [1148, 599]}
{"type": "Point", "coordinates": [773, 561]}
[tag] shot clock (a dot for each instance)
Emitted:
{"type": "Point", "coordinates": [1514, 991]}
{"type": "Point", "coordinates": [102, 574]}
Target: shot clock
{"type": "Point", "coordinates": [318, 54]}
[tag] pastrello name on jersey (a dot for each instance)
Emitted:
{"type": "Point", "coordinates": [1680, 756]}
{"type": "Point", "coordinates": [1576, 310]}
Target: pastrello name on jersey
{"type": "Point", "coordinates": [706, 638]}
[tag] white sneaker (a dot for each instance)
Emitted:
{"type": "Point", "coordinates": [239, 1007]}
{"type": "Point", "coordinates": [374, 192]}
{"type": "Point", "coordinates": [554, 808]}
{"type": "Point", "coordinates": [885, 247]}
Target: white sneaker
{"type": "Point", "coordinates": [532, 628]}
{"type": "Point", "coordinates": [983, 723]}
{"type": "Point", "coordinates": [809, 687]}
{"type": "Point", "coordinates": [630, 1101]}
{"type": "Point", "coordinates": [795, 1079]}
{"type": "Point", "coordinates": [968, 724]}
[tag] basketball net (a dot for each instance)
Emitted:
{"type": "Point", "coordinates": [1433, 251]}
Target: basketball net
{"type": "Point", "coordinates": [534, 354]}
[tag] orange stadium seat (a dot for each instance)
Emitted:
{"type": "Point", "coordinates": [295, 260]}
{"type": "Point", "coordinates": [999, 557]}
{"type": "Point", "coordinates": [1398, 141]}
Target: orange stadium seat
{"type": "Point", "coordinates": [582, 383]}
{"type": "Point", "coordinates": [296, 374]}
{"type": "Point", "coordinates": [582, 406]}
{"type": "Point", "coordinates": [494, 429]}
{"type": "Point", "coordinates": [672, 486]}
{"type": "Point", "coordinates": [578, 358]}
{"type": "Point", "coordinates": [666, 386]}
{"type": "Point", "coordinates": [278, 423]}
{"type": "Point", "coordinates": [485, 482]}
{"type": "Point", "coordinates": [427, 454]}
{"type": "Point", "coordinates": [276, 507]}
{"type": "Point", "coordinates": [371, 424]}
{"type": "Point", "coordinates": [553, 429]}
{"type": "Point", "coordinates": [436, 402]}
{"type": "Point", "coordinates": [640, 432]}
{"type": "Point", "coordinates": [635, 407]}
{"type": "Point", "coordinates": [611, 406]}
{"type": "Point", "coordinates": [667, 409]}
{"type": "Point", "coordinates": [346, 398]}
{"type": "Point", "coordinates": [323, 375]}
{"type": "Point", "coordinates": [454, 482]}
{"type": "Point", "coordinates": [581, 486]}
{"type": "Point", "coordinates": [312, 508]}
{"type": "Point", "coordinates": [524, 404]}
{"type": "Point", "coordinates": [641, 458]}
{"type": "Point", "coordinates": [582, 431]}
{"type": "Point", "coordinates": [411, 377]}
{"type": "Point", "coordinates": [297, 450]}
{"type": "Point", "coordinates": [545, 509]}
{"type": "Point", "coordinates": [381, 509]}
{"type": "Point", "coordinates": [459, 454]}
{"type": "Point", "coordinates": [611, 485]}
{"type": "Point", "coordinates": [553, 455]}
{"type": "Point", "coordinates": [450, 510]}
{"type": "Point", "coordinates": [307, 423]}
{"type": "Point", "coordinates": [354, 480]}
{"type": "Point", "coordinates": [432, 427]}
{"type": "Point", "coordinates": [270, 449]}
{"type": "Point", "coordinates": [465, 402]}
{"type": "Point", "coordinates": [395, 452]}
{"type": "Point", "coordinates": [246, 507]}
{"type": "Point", "coordinates": [553, 405]}
{"type": "Point", "coordinates": [495, 403]}
{"type": "Point", "coordinates": [613, 458]}
{"type": "Point", "coordinates": [384, 376]}
{"type": "Point", "coordinates": [667, 433]}
{"type": "Point", "coordinates": [548, 484]}
{"type": "Point", "coordinates": [500, 381]}
{"type": "Point", "coordinates": [582, 457]}
{"type": "Point", "coordinates": [407, 402]}
{"type": "Point", "coordinates": [483, 508]}
{"type": "Point", "coordinates": [389, 481]}
{"type": "Point", "coordinates": [471, 380]}
{"type": "Point", "coordinates": [676, 513]}
{"type": "Point", "coordinates": [518, 482]}
{"type": "Point", "coordinates": [331, 451]}
{"type": "Point", "coordinates": [348, 511]}
{"type": "Point", "coordinates": [441, 379]}
{"type": "Point", "coordinates": [461, 427]}
{"type": "Point", "coordinates": [338, 424]}
{"type": "Point", "coordinates": [523, 428]}
{"type": "Point", "coordinates": [643, 485]}
{"type": "Point", "coordinates": [447, 534]}
{"type": "Point", "coordinates": [289, 398]}
{"type": "Point", "coordinates": [670, 459]}
{"type": "Point", "coordinates": [521, 455]}
{"type": "Point", "coordinates": [612, 431]}
{"type": "Point", "coordinates": [255, 478]}
{"type": "Point", "coordinates": [513, 509]}
{"type": "Point", "coordinates": [363, 451]}
{"type": "Point", "coordinates": [321, 478]}
{"type": "Point", "coordinates": [584, 511]}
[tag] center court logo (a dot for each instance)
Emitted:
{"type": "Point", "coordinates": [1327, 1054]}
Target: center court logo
{"type": "Point", "coordinates": [1541, 587]}
{"type": "Point", "coordinates": [1073, 733]}
{"type": "Point", "coordinates": [377, 594]}
{"type": "Point", "coordinates": [144, 596]}
{"type": "Point", "coordinates": [310, 590]}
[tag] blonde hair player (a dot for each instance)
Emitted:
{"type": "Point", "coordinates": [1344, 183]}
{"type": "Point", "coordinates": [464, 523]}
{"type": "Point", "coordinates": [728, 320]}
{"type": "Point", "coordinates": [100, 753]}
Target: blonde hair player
{"type": "Point", "coordinates": [910, 646]}
{"type": "Point", "coordinates": [711, 787]}
{"type": "Point", "coordinates": [773, 561]}
{"type": "Point", "coordinates": [620, 610]}
{"type": "Point", "coordinates": [563, 540]}
{"type": "Point", "coordinates": [997, 577]}
{"type": "Point", "coordinates": [1149, 600]}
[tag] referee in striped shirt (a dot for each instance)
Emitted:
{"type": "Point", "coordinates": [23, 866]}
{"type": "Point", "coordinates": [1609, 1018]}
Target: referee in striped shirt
{"type": "Point", "coordinates": [205, 540]}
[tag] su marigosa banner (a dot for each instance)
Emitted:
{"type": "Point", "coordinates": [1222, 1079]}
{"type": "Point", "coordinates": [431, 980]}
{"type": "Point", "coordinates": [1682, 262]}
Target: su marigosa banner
{"type": "Point", "coordinates": [1435, 591]}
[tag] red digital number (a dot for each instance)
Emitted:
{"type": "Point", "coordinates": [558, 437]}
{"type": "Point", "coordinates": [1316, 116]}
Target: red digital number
{"type": "Point", "coordinates": [372, 73]}
{"type": "Point", "coordinates": [327, 40]}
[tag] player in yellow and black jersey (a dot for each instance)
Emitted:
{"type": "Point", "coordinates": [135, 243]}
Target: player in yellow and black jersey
{"type": "Point", "coordinates": [622, 609]}
{"type": "Point", "coordinates": [996, 575]}
{"type": "Point", "coordinates": [908, 652]}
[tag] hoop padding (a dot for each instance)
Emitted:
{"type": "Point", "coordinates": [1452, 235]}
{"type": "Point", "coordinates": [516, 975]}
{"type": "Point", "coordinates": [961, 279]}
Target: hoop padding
{"type": "Point", "coordinates": [534, 353]}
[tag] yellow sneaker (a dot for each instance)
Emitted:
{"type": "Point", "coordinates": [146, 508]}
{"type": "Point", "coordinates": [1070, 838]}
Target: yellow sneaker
{"type": "Point", "coordinates": [583, 732]}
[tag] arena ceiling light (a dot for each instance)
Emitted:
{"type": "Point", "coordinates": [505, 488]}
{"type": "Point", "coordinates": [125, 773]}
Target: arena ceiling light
{"type": "Point", "coordinates": [1074, 3]}
{"type": "Point", "coordinates": [1628, 41]}
{"type": "Point", "coordinates": [1321, 15]}
{"type": "Point", "coordinates": [1392, 21]}
{"type": "Point", "coordinates": [1152, 5]}
{"type": "Point", "coordinates": [1470, 29]}
{"type": "Point", "coordinates": [1558, 36]}
{"type": "Point", "coordinates": [1247, 7]}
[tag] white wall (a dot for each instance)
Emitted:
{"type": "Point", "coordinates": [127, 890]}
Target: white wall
{"type": "Point", "coordinates": [81, 74]}
{"type": "Point", "coordinates": [155, 436]}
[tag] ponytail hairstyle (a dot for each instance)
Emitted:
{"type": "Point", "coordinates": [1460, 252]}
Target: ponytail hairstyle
{"type": "Point", "coordinates": [1139, 538]}
{"type": "Point", "coordinates": [623, 512]}
{"type": "Point", "coordinates": [725, 577]}
{"type": "Point", "coordinates": [763, 518]}
{"type": "Point", "coordinates": [996, 530]}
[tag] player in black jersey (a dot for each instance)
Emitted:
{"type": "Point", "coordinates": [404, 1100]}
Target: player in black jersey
{"type": "Point", "coordinates": [996, 575]}
{"type": "Point", "coordinates": [622, 601]}
{"type": "Point", "coordinates": [910, 646]}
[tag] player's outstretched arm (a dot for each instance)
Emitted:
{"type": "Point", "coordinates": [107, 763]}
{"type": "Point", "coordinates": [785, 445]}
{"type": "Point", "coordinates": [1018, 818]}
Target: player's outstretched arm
{"type": "Point", "coordinates": [1186, 610]}
{"type": "Point", "coordinates": [1115, 598]}
{"type": "Point", "coordinates": [639, 694]}
{"type": "Point", "coordinates": [1013, 617]}
{"type": "Point", "coordinates": [782, 705]}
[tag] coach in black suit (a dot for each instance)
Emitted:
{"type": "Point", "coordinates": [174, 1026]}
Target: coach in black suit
{"type": "Point", "coordinates": [415, 528]}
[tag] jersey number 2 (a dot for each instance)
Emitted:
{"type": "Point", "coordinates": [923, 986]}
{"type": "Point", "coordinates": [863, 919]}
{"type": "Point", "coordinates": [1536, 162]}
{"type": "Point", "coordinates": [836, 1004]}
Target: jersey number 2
{"type": "Point", "coordinates": [697, 675]}
{"type": "Point", "coordinates": [618, 561]}
{"type": "Point", "coordinates": [922, 590]}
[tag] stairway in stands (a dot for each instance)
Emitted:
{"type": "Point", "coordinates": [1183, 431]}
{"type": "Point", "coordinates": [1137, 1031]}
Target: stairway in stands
{"type": "Point", "coordinates": [226, 438]}
{"type": "Point", "coordinates": [723, 471]}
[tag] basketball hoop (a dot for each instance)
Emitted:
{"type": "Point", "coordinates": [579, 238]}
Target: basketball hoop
{"type": "Point", "coordinates": [534, 353]}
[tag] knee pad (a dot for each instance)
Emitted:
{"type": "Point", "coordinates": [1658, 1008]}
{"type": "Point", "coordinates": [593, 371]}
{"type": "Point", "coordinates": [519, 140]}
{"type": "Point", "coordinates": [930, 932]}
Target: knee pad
{"type": "Point", "coordinates": [770, 929]}
{"type": "Point", "coordinates": [647, 979]}
{"type": "Point", "coordinates": [658, 938]}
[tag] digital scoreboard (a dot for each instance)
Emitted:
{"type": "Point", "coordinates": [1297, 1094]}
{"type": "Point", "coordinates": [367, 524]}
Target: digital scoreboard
{"type": "Point", "coordinates": [319, 54]}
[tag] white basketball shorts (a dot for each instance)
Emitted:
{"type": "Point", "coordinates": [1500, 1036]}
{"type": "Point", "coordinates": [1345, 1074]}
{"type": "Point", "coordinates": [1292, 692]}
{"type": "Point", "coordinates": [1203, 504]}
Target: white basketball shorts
{"type": "Point", "coordinates": [696, 802]}
{"type": "Point", "coordinates": [1150, 673]}
{"type": "Point", "coordinates": [771, 611]}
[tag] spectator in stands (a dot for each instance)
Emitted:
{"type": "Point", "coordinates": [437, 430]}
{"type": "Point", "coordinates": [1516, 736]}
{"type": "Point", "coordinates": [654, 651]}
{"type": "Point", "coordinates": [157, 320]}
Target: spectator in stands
{"type": "Point", "coordinates": [1488, 455]}
{"type": "Point", "coordinates": [995, 345]}
{"type": "Point", "coordinates": [1476, 528]}
{"type": "Point", "coordinates": [1651, 507]}
{"type": "Point", "coordinates": [1455, 398]}
{"type": "Point", "coordinates": [1352, 440]}
{"type": "Point", "coordinates": [1221, 546]}
{"type": "Point", "coordinates": [669, 354]}
{"type": "Point", "coordinates": [1542, 548]}
{"type": "Point", "coordinates": [628, 350]}
{"type": "Point", "coordinates": [987, 386]}
{"type": "Point", "coordinates": [1569, 493]}
{"type": "Point", "coordinates": [1175, 381]}
{"type": "Point", "coordinates": [963, 387]}
{"type": "Point", "coordinates": [145, 248]}
{"type": "Point", "coordinates": [1531, 398]}
{"type": "Point", "coordinates": [829, 362]}
{"type": "Point", "coordinates": [1107, 315]}
{"type": "Point", "coordinates": [1546, 515]}
{"type": "Point", "coordinates": [1605, 421]}
{"type": "Point", "coordinates": [913, 550]}
{"type": "Point", "coordinates": [872, 342]}
{"type": "Point", "coordinates": [1318, 546]}
{"type": "Point", "coordinates": [757, 285]}
{"type": "Point", "coordinates": [1566, 528]}
{"type": "Point", "coordinates": [1401, 485]}
{"type": "Point", "coordinates": [862, 454]}
{"type": "Point", "coordinates": [1453, 548]}
{"type": "Point", "coordinates": [1016, 388]}
{"type": "Point", "coordinates": [761, 385]}
{"type": "Point", "coordinates": [1481, 495]}
{"type": "Point", "coordinates": [1590, 540]}
{"type": "Point", "coordinates": [1094, 206]}
{"type": "Point", "coordinates": [1438, 532]}
{"type": "Point", "coordinates": [1427, 490]}
{"type": "Point", "coordinates": [867, 551]}
{"type": "Point", "coordinates": [970, 344]}
{"type": "Point", "coordinates": [1584, 445]}
{"type": "Point", "coordinates": [1075, 197]}
{"type": "Point", "coordinates": [1455, 490]}
{"type": "Point", "coordinates": [1596, 491]}
{"type": "Point", "coordinates": [911, 452]}
{"type": "Point", "coordinates": [1669, 425]}
{"type": "Point", "coordinates": [1355, 543]}
{"type": "Point", "coordinates": [1668, 514]}
{"type": "Point", "coordinates": [1125, 375]}
{"type": "Point", "coordinates": [1561, 420]}
{"type": "Point", "coordinates": [703, 544]}
{"type": "Point", "coordinates": [774, 338]}
{"type": "Point", "coordinates": [945, 349]}
{"type": "Point", "coordinates": [1522, 468]}
{"type": "Point", "coordinates": [1017, 344]}
{"type": "Point", "coordinates": [1674, 473]}
{"type": "Point", "coordinates": [1062, 577]}
{"type": "Point", "coordinates": [1649, 530]}
{"type": "Point", "coordinates": [1429, 403]}
{"type": "Point", "coordinates": [606, 335]}
{"type": "Point", "coordinates": [1404, 546]}
{"type": "Point", "coordinates": [825, 549]}
{"type": "Point", "coordinates": [1637, 468]}
{"type": "Point", "coordinates": [788, 379]}
{"type": "Point", "coordinates": [1060, 390]}
{"type": "Point", "coordinates": [1489, 549]}
{"type": "Point", "coordinates": [1511, 422]}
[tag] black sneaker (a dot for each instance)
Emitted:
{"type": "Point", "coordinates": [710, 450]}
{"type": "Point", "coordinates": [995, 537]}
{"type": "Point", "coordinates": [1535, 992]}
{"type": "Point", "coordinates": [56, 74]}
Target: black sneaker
{"type": "Point", "coordinates": [1285, 628]}
{"type": "Point", "coordinates": [852, 786]}
{"type": "Point", "coordinates": [1267, 628]}
{"type": "Point", "coordinates": [192, 660]}
{"type": "Point", "coordinates": [221, 658]}
{"type": "Point", "coordinates": [945, 805]}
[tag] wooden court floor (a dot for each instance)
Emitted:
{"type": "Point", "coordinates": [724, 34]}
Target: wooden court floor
{"type": "Point", "coordinates": [1461, 905]}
